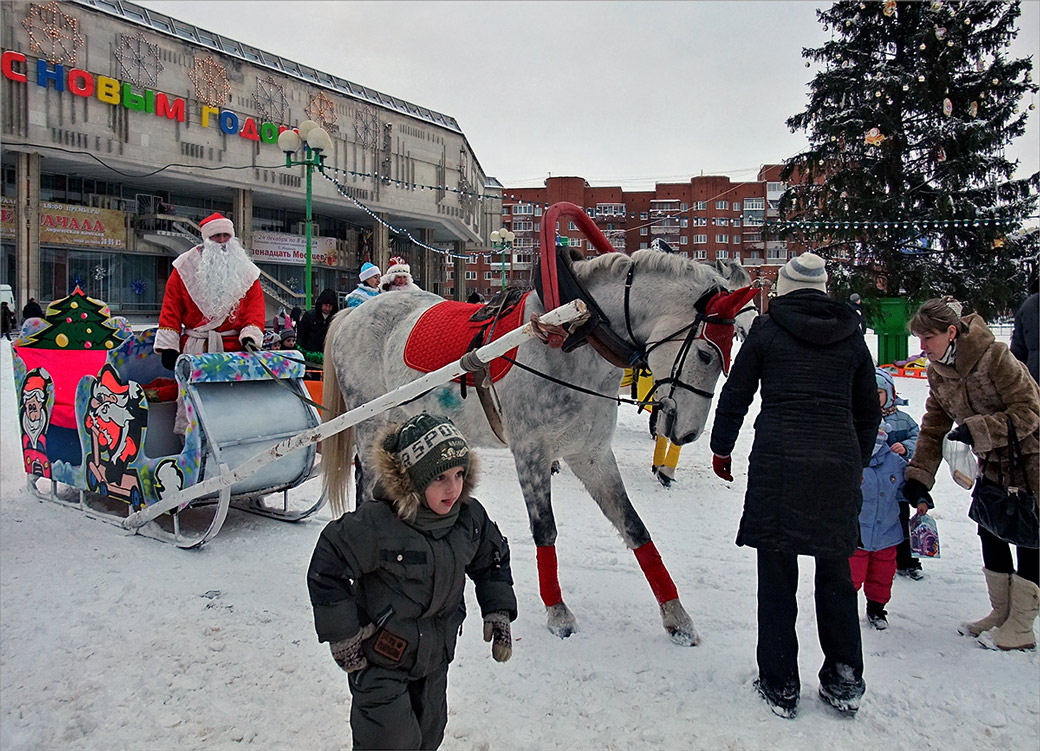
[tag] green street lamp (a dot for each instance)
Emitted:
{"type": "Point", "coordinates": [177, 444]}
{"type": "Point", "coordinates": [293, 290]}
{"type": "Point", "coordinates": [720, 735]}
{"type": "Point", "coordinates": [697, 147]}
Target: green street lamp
{"type": "Point", "coordinates": [315, 141]}
{"type": "Point", "coordinates": [502, 240]}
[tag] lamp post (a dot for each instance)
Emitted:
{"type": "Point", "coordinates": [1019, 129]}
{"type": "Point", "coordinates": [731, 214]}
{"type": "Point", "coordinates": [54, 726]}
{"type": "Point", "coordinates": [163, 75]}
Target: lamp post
{"type": "Point", "coordinates": [315, 140]}
{"type": "Point", "coordinates": [502, 240]}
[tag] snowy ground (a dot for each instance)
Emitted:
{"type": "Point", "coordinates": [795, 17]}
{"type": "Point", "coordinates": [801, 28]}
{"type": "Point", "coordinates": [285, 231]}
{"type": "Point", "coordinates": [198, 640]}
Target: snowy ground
{"type": "Point", "coordinates": [115, 641]}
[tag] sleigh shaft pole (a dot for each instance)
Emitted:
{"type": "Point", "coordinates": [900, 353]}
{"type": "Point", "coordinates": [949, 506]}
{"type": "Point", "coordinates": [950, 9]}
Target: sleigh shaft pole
{"type": "Point", "coordinates": [564, 314]}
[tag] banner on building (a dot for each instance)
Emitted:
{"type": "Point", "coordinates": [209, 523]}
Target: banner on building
{"type": "Point", "coordinates": [279, 247]}
{"type": "Point", "coordinates": [64, 224]}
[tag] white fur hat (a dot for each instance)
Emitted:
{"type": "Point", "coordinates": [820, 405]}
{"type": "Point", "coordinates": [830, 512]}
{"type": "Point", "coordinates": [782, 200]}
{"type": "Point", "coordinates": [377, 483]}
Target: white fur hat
{"type": "Point", "coordinates": [807, 271]}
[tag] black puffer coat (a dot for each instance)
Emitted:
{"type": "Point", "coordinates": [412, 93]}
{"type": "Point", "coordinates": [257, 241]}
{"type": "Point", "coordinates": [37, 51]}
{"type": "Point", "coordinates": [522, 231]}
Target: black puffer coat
{"type": "Point", "coordinates": [310, 335]}
{"type": "Point", "coordinates": [816, 428]}
{"type": "Point", "coordinates": [370, 559]}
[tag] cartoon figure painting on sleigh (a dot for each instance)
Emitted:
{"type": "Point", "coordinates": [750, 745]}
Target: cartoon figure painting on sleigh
{"type": "Point", "coordinates": [97, 410]}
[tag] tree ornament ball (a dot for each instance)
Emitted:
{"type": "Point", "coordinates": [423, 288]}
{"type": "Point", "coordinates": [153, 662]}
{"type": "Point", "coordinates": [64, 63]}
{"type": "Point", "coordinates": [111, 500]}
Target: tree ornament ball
{"type": "Point", "coordinates": [108, 344]}
{"type": "Point", "coordinates": [923, 47]}
{"type": "Point", "coordinates": [906, 87]}
{"type": "Point", "coordinates": [87, 345]}
{"type": "Point", "coordinates": [61, 340]}
{"type": "Point", "coordinates": [921, 78]}
{"type": "Point", "coordinates": [74, 304]}
{"type": "Point", "coordinates": [68, 320]}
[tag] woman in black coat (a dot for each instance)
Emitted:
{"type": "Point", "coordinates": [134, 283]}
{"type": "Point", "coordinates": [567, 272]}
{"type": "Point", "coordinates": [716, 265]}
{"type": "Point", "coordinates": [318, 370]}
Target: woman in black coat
{"type": "Point", "coordinates": [310, 335]}
{"type": "Point", "coordinates": [814, 434]}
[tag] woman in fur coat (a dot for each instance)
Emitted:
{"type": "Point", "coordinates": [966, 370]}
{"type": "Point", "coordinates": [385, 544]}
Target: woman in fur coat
{"type": "Point", "coordinates": [975, 382]}
{"type": "Point", "coordinates": [387, 584]}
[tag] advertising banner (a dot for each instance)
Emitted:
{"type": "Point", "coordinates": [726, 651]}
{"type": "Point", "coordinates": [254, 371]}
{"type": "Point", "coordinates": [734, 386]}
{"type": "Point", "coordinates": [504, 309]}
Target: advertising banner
{"type": "Point", "coordinates": [279, 247]}
{"type": "Point", "coordinates": [63, 224]}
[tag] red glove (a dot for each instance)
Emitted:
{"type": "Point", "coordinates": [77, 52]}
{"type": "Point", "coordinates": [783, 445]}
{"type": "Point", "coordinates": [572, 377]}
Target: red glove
{"type": "Point", "coordinates": [723, 466]}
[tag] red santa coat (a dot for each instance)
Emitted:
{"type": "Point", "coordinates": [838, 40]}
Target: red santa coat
{"type": "Point", "coordinates": [181, 317]}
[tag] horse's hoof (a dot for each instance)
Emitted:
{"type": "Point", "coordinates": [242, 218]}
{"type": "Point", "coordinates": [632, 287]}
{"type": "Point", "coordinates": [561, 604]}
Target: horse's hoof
{"type": "Point", "coordinates": [678, 624]}
{"type": "Point", "coordinates": [561, 620]}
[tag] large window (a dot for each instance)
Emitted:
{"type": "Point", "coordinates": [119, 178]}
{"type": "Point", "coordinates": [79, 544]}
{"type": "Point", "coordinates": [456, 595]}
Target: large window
{"type": "Point", "coordinates": [700, 239]}
{"type": "Point", "coordinates": [722, 238]}
{"type": "Point", "coordinates": [751, 204]}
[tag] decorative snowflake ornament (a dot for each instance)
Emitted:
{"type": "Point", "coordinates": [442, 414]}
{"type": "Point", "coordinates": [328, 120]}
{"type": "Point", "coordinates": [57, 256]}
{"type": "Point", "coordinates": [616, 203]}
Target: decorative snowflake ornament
{"type": "Point", "coordinates": [322, 110]}
{"type": "Point", "coordinates": [52, 33]}
{"type": "Point", "coordinates": [138, 60]}
{"type": "Point", "coordinates": [211, 82]}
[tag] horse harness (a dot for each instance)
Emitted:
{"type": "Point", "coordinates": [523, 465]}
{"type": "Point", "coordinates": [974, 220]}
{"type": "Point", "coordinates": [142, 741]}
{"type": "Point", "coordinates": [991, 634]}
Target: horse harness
{"type": "Point", "coordinates": [623, 353]}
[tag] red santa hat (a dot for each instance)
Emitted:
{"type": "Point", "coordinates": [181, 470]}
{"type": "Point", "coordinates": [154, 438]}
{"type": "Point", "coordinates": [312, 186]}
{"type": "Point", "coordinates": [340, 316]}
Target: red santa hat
{"type": "Point", "coordinates": [35, 384]}
{"type": "Point", "coordinates": [215, 224]}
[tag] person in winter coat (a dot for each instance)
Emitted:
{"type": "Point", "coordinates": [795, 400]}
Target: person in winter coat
{"type": "Point", "coordinates": [976, 382]}
{"type": "Point", "coordinates": [310, 336]}
{"type": "Point", "coordinates": [1025, 337]}
{"type": "Point", "coordinates": [367, 288]}
{"type": "Point", "coordinates": [398, 277]}
{"type": "Point", "coordinates": [874, 562]}
{"type": "Point", "coordinates": [856, 303]}
{"type": "Point", "coordinates": [387, 582]}
{"type": "Point", "coordinates": [7, 321]}
{"type": "Point", "coordinates": [902, 432]}
{"type": "Point", "coordinates": [814, 435]}
{"type": "Point", "coordinates": [32, 309]}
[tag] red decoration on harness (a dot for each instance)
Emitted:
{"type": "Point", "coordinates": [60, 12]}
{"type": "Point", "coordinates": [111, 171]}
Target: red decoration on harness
{"type": "Point", "coordinates": [444, 333]}
{"type": "Point", "coordinates": [718, 329]}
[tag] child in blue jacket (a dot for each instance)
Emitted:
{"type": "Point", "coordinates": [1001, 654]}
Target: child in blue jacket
{"type": "Point", "coordinates": [902, 439]}
{"type": "Point", "coordinates": [874, 562]}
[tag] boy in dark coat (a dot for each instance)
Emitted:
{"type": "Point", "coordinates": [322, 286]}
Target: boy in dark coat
{"type": "Point", "coordinates": [813, 437]}
{"type": "Point", "coordinates": [387, 584]}
{"type": "Point", "coordinates": [310, 334]}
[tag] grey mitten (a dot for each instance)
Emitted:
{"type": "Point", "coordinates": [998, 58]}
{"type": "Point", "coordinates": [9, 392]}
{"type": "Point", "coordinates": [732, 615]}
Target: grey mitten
{"type": "Point", "coordinates": [496, 631]}
{"type": "Point", "coordinates": [347, 653]}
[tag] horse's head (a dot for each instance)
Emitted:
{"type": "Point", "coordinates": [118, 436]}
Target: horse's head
{"type": "Point", "coordinates": [681, 314]}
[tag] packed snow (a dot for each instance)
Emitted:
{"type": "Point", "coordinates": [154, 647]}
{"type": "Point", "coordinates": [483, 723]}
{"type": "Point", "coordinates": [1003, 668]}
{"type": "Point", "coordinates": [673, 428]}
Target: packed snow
{"type": "Point", "coordinates": [111, 640]}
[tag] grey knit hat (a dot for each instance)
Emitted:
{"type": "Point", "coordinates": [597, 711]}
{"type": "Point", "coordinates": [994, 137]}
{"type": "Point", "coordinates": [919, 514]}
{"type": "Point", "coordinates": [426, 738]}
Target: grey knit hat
{"type": "Point", "coordinates": [806, 271]}
{"type": "Point", "coordinates": [426, 446]}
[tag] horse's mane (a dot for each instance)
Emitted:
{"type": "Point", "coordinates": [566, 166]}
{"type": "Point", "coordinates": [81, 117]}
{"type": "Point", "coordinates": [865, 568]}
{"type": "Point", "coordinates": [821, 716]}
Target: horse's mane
{"type": "Point", "coordinates": [654, 261]}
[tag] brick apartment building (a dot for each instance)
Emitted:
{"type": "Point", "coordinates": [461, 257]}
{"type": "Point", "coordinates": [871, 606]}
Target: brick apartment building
{"type": "Point", "coordinates": [707, 218]}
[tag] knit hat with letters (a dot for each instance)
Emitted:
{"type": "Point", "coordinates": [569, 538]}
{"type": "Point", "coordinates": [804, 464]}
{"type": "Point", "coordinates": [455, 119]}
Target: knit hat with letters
{"type": "Point", "coordinates": [427, 446]}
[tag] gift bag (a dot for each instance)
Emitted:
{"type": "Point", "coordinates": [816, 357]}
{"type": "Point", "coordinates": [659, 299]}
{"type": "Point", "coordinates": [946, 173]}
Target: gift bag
{"type": "Point", "coordinates": [962, 462]}
{"type": "Point", "coordinates": [924, 537]}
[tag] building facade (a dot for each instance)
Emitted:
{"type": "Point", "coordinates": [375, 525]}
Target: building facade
{"type": "Point", "coordinates": [708, 218]}
{"type": "Point", "coordinates": [123, 127]}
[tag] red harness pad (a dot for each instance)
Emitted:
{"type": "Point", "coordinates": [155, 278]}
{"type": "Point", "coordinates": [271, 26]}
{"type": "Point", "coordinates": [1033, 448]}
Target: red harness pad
{"type": "Point", "coordinates": [444, 332]}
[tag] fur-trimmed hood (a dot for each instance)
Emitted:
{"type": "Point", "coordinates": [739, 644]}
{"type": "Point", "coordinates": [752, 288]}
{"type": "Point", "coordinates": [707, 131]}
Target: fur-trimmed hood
{"type": "Point", "coordinates": [395, 487]}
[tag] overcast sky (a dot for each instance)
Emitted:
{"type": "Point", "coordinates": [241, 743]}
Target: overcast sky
{"type": "Point", "coordinates": [620, 93]}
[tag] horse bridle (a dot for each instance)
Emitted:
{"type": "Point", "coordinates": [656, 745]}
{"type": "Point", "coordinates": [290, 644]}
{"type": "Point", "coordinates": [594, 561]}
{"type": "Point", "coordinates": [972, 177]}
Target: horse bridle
{"type": "Point", "coordinates": [693, 331]}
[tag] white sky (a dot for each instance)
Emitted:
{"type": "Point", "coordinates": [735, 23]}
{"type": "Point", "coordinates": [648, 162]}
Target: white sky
{"type": "Point", "coordinates": [620, 93]}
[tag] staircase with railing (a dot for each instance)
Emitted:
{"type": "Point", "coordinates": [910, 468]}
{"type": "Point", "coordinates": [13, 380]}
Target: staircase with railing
{"type": "Point", "coordinates": [177, 234]}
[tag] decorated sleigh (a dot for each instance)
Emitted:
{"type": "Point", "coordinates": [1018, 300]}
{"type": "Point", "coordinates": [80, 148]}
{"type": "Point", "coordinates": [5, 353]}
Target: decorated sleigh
{"type": "Point", "coordinates": [97, 409]}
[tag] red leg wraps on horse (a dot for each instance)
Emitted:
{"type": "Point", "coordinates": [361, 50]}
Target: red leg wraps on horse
{"type": "Point", "coordinates": [548, 578]}
{"type": "Point", "coordinates": [655, 572]}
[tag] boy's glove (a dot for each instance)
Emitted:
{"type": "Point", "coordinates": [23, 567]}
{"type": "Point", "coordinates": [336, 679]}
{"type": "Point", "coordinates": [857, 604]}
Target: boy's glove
{"type": "Point", "coordinates": [723, 466]}
{"type": "Point", "coordinates": [962, 434]}
{"type": "Point", "coordinates": [169, 357]}
{"type": "Point", "coordinates": [347, 652]}
{"type": "Point", "coordinates": [496, 631]}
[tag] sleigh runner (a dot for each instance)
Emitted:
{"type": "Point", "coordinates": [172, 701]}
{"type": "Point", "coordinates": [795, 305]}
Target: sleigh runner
{"type": "Point", "coordinates": [97, 411]}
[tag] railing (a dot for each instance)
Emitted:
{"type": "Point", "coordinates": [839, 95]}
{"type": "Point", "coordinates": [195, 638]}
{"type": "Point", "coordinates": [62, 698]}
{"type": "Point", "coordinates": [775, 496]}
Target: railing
{"type": "Point", "coordinates": [285, 296]}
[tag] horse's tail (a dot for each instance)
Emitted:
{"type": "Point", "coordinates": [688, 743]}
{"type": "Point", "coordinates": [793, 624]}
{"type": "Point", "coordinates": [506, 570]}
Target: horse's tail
{"type": "Point", "coordinates": [338, 449]}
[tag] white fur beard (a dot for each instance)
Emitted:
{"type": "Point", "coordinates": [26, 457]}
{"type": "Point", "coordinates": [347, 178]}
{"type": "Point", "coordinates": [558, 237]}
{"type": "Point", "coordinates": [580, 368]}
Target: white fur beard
{"type": "Point", "coordinates": [223, 270]}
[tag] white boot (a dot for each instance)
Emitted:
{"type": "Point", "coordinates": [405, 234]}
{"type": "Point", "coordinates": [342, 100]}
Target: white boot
{"type": "Point", "coordinates": [999, 586]}
{"type": "Point", "coordinates": [1017, 631]}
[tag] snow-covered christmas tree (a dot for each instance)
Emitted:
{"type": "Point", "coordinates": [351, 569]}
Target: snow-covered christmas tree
{"type": "Point", "coordinates": [906, 173]}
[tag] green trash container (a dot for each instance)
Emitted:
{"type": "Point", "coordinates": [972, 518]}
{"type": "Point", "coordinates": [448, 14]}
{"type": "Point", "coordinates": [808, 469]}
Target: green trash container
{"type": "Point", "coordinates": [890, 326]}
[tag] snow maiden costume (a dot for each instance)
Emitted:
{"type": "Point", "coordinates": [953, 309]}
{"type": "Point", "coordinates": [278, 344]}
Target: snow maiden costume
{"type": "Point", "coordinates": [398, 276]}
{"type": "Point", "coordinates": [364, 292]}
{"type": "Point", "coordinates": [387, 585]}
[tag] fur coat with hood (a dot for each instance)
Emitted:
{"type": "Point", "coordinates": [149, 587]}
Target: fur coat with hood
{"type": "Point", "coordinates": [984, 386]}
{"type": "Point", "coordinates": [372, 560]}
